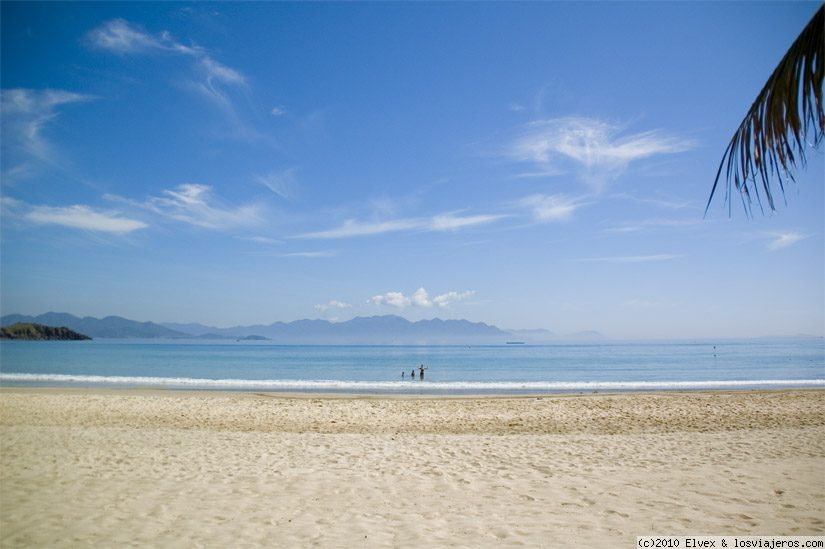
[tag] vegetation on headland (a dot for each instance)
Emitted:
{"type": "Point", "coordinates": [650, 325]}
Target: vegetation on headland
{"type": "Point", "coordinates": [39, 332]}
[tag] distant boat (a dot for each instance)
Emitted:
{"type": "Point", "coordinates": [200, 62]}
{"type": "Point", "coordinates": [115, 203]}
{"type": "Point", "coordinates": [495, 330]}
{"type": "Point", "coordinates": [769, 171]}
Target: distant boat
{"type": "Point", "coordinates": [515, 343]}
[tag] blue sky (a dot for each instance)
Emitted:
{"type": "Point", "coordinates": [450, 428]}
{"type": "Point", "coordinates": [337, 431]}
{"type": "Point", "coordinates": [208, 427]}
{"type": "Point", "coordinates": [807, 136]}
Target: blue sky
{"type": "Point", "coordinates": [529, 165]}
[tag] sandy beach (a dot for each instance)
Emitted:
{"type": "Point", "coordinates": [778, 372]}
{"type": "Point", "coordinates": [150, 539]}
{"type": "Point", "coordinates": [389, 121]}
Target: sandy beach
{"type": "Point", "coordinates": [163, 468]}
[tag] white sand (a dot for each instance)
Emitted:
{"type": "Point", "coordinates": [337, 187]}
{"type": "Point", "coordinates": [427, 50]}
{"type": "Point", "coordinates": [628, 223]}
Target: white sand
{"type": "Point", "coordinates": [113, 468]}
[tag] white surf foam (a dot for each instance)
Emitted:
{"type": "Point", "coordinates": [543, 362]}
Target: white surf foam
{"type": "Point", "coordinates": [402, 386]}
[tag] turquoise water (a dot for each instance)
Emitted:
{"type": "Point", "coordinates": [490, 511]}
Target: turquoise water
{"type": "Point", "coordinates": [505, 369]}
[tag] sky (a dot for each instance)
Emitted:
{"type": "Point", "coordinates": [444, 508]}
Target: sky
{"type": "Point", "coordinates": [528, 165]}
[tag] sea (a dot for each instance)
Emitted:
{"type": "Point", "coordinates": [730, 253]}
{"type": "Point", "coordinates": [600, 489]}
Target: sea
{"type": "Point", "coordinates": [450, 370]}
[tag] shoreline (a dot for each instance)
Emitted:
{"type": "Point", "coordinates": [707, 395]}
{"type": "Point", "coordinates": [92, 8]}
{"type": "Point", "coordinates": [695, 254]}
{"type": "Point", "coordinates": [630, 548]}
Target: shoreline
{"type": "Point", "coordinates": [91, 467]}
{"type": "Point", "coordinates": [181, 391]}
{"type": "Point", "coordinates": [399, 388]}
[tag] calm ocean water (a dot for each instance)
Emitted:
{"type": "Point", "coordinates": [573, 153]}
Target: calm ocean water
{"type": "Point", "coordinates": [504, 369]}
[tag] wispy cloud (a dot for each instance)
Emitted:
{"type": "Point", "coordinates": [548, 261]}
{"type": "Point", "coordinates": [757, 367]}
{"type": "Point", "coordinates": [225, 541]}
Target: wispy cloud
{"type": "Point", "coordinates": [594, 150]}
{"type": "Point", "coordinates": [264, 240]}
{"type": "Point", "coordinates": [419, 298]}
{"type": "Point", "coordinates": [311, 255]}
{"type": "Point", "coordinates": [443, 222]}
{"type": "Point", "coordinates": [632, 258]}
{"type": "Point", "coordinates": [669, 204]}
{"type": "Point", "coordinates": [76, 216]}
{"type": "Point", "coordinates": [197, 205]}
{"type": "Point", "coordinates": [647, 224]}
{"type": "Point", "coordinates": [784, 240]}
{"type": "Point", "coordinates": [353, 228]}
{"type": "Point", "coordinates": [451, 222]}
{"type": "Point", "coordinates": [284, 183]}
{"type": "Point", "coordinates": [25, 114]}
{"type": "Point", "coordinates": [121, 37]}
{"type": "Point", "coordinates": [547, 208]}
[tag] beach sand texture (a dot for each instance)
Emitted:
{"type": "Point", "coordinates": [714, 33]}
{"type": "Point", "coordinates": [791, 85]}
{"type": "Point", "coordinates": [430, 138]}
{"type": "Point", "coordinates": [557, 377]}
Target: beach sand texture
{"type": "Point", "coordinates": [162, 468]}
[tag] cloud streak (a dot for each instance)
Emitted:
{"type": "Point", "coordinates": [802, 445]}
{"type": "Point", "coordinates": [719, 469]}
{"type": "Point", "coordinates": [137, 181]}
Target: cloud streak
{"type": "Point", "coordinates": [120, 37]}
{"type": "Point", "coordinates": [25, 114]}
{"type": "Point", "coordinates": [648, 224]}
{"type": "Point", "coordinates": [76, 216]}
{"type": "Point", "coordinates": [596, 151]}
{"type": "Point", "coordinates": [549, 208]}
{"type": "Point", "coordinates": [197, 205]}
{"type": "Point", "coordinates": [311, 255]}
{"type": "Point", "coordinates": [284, 183]}
{"type": "Point", "coordinates": [445, 222]}
{"type": "Point", "coordinates": [632, 258]}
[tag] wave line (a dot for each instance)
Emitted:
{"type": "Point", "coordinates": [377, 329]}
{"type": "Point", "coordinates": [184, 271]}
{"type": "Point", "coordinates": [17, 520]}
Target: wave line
{"type": "Point", "coordinates": [405, 385]}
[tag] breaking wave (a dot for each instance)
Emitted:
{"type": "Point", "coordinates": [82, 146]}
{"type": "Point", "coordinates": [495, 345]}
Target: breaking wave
{"type": "Point", "coordinates": [408, 386]}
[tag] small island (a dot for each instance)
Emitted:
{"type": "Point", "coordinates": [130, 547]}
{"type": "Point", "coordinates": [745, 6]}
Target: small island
{"type": "Point", "coordinates": [30, 331]}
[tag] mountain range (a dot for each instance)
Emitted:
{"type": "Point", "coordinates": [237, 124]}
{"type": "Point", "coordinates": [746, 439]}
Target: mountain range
{"type": "Point", "coordinates": [374, 330]}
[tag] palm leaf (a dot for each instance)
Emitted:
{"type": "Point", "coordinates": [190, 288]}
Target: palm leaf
{"type": "Point", "coordinates": [786, 118]}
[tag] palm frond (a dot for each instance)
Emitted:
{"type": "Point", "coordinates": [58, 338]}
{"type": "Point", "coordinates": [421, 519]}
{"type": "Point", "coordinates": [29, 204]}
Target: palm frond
{"type": "Point", "coordinates": [773, 136]}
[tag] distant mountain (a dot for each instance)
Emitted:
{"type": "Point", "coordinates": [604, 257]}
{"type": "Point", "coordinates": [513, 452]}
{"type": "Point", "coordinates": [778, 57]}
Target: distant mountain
{"type": "Point", "coordinates": [373, 330]}
{"type": "Point", "coordinates": [191, 328]}
{"type": "Point", "coordinates": [38, 332]}
{"type": "Point", "coordinates": [109, 327]}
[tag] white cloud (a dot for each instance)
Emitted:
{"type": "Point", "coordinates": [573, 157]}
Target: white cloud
{"type": "Point", "coordinates": [393, 299]}
{"type": "Point", "coordinates": [76, 217]}
{"type": "Point", "coordinates": [592, 149]}
{"type": "Point", "coordinates": [783, 240]}
{"type": "Point", "coordinates": [278, 110]}
{"type": "Point", "coordinates": [438, 223]}
{"type": "Point", "coordinates": [419, 298]}
{"type": "Point", "coordinates": [332, 305]}
{"type": "Point", "coordinates": [195, 204]}
{"type": "Point", "coordinates": [545, 208]}
{"type": "Point", "coordinates": [25, 113]}
{"type": "Point", "coordinates": [444, 300]}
